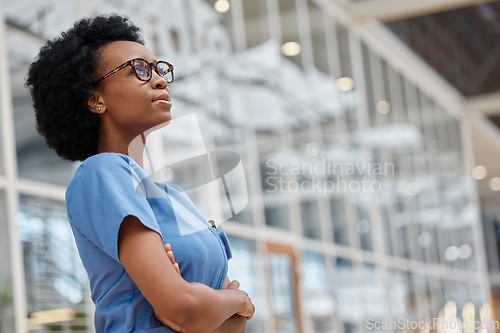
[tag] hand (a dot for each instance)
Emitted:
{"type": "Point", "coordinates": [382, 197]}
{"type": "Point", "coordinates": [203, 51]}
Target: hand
{"type": "Point", "coordinates": [158, 316]}
{"type": "Point", "coordinates": [236, 323]}
{"type": "Point", "coordinates": [249, 307]}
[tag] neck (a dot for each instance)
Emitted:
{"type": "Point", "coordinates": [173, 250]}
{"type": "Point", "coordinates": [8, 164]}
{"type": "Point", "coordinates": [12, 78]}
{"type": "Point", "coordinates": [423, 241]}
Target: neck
{"type": "Point", "coordinates": [127, 146]}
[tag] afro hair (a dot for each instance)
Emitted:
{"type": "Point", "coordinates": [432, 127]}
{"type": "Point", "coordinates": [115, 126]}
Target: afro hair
{"type": "Point", "coordinates": [61, 79]}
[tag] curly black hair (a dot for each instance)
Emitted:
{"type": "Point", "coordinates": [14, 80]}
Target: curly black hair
{"type": "Point", "coordinates": [61, 79]}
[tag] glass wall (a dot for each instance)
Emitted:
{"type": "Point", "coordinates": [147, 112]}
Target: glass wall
{"type": "Point", "coordinates": [7, 318]}
{"type": "Point", "coordinates": [356, 206]}
{"type": "Point", "coordinates": [29, 25]}
{"type": "Point", "coordinates": [6, 287]}
{"type": "Point", "coordinates": [56, 282]}
{"type": "Point", "coordinates": [249, 273]}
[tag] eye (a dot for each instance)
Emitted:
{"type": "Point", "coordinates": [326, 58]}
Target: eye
{"type": "Point", "coordinates": [161, 72]}
{"type": "Point", "coordinates": [142, 69]}
{"type": "Point", "coordinates": [162, 69]}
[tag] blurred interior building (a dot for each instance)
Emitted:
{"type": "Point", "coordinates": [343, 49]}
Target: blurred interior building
{"type": "Point", "coordinates": [356, 140]}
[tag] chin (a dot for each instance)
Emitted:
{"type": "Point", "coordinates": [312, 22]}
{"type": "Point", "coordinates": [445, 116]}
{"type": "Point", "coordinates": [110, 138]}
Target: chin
{"type": "Point", "coordinates": [162, 117]}
{"type": "Point", "coordinates": [164, 122]}
{"type": "Point", "coordinates": [155, 124]}
{"type": "Point", "coordinates": [167, 117]}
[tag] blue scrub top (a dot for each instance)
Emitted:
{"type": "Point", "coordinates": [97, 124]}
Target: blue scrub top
{"type": "Point", "coordinates": [105, 189]}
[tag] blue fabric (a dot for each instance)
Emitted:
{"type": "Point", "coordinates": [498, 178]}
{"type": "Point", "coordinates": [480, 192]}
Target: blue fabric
{"type": "Point", "coordinates": [104, 190]}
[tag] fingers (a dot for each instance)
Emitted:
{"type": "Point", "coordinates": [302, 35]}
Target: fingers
{"type": "Point", "coordinates": [170, 255]}
{"type": "Point", "coordinates": [176, 266]}
{"type": "Point", "coordinates": [249, 310]}
{"type": "Point", "coordinates": [250, 307]}
{"type": "Point", "coordinates": [233, 285]}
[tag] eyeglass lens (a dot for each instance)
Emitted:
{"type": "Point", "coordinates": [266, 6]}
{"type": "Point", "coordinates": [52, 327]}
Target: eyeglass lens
{"type": "Point", "coordinates": [143, 70]}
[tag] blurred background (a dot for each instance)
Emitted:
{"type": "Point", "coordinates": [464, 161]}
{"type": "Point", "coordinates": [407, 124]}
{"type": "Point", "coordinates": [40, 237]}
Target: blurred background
{"type": "Point", "coordinates": [368, 136]}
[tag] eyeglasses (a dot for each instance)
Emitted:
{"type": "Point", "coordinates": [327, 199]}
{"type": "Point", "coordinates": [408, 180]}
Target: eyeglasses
{"type": "Point", "coordinates": [143, 70]}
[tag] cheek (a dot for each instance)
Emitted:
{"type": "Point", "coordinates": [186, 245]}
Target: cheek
{"type": "Point", "coordinates": [127, 99]}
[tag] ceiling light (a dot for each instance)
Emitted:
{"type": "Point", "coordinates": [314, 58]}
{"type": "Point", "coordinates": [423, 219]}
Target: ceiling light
{"type": "Point", "coordinates": [479, 172]}
{"type": "Point", "coordinates": [464, 251]}
{"type": "Point", "coordinates": [291, 49]}
{"type": "Point", "coordinates": [450, 308]}
{"type": "Point", "coordinates": [363, 226]}
{"type": "Point", "coordinates": [383, 107]}
{"type": "Point", "coordinates": [495, 183]}
{"type": "Point", "coordinates": [451, 253]}
{"type": "Point", "coordinates": [412, 189]}
{"type": "Point", "coordinates": [221, 6]}
{"type": "Point", "coordinates": [469, 312]}
{"type": "Point", "coordinates": [424, 239]}
{"type": "Point", "coordinates": [345, 83]}
{"type": "Point", "coordinates": [312, 149]}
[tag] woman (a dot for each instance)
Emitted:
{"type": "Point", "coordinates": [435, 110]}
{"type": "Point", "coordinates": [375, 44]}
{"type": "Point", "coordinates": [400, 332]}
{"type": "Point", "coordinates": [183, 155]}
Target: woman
{"type": "Point", "coordinates": [96, 88]}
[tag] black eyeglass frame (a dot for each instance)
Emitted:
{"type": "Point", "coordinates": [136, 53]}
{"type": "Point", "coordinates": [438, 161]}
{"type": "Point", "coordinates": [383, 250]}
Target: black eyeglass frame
{"type": "Point", "coordinates": [151, 66]}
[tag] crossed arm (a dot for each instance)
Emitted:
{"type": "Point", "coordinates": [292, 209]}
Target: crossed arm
{"type": "Point", "coordinates": [235, 324]}
{"type": "Point", "coordinates": [194, 307]}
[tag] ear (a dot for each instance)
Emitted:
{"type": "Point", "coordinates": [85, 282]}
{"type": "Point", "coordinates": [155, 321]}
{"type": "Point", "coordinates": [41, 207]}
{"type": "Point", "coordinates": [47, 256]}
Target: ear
{"type": "Point", "coordinates": [95, 103]}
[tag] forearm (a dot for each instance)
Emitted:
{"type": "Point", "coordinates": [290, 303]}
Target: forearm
{"type": "Point", "coordinates": [235, 324]}
{"type": "Point", "coordinates": [210, 308]}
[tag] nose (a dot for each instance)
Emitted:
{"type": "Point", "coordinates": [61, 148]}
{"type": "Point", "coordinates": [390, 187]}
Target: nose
{"type": "Point", "coordinates": [158, 81]}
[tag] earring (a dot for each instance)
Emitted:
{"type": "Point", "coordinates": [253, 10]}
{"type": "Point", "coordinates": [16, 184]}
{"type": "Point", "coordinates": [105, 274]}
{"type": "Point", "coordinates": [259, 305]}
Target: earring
{"type": "Point", "coordinates": [98, 109]}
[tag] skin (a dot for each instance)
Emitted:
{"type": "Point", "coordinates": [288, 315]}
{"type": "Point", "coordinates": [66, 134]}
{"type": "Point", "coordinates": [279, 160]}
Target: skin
{"type": "Point", "coordinates": [124, 103]}
{"type": "Point", "coordinates": [127, 108]}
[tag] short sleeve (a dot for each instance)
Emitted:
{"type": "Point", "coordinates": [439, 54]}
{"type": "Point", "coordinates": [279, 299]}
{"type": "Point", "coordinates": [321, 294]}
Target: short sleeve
{"type": "Point", "coordinates": [101, 194]}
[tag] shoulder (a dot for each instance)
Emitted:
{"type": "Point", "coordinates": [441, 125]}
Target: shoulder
{"type": "Point", "coordinates": [101, 170]}
{"type": "Point", "coordinates": [104, 164]}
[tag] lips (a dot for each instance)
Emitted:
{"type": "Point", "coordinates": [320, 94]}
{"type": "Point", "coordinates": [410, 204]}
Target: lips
{"type": "Point", "coordinates": [162, 99]}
